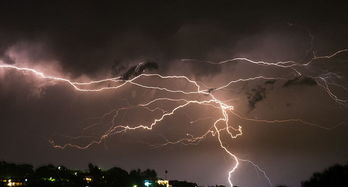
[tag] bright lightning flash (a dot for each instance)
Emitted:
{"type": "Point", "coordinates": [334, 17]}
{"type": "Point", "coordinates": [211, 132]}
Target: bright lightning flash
{"type": "Point", "coordinates": [206, 97]}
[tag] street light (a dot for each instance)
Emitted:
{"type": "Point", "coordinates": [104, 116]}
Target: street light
{"type": "Point", "coordinates": [147, 183]}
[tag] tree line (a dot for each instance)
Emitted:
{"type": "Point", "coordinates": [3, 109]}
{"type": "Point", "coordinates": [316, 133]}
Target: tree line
{"type": "Point", "coordinates": [56, 176]}
{"type": "Point", "coordinates": [59, 176]}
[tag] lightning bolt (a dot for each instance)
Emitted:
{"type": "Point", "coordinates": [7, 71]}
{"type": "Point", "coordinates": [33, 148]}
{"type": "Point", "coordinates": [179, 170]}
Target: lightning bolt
{"type": "Point", "coordinates": [202, 97]}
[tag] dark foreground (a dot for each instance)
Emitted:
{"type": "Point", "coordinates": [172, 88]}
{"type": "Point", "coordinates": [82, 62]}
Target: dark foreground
{"type": "Point", "coordinates": [60, 176]}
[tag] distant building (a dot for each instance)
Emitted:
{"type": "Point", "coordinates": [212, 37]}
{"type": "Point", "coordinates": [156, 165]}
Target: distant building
{"type": "Point", "coordinates": [164, 183]}
{"type": "Point", "coordinates": [12, 182]}
{"type": "Point", "coordinates": [151, 183]}
{"type": "Point", "coordinates": [88, 179]}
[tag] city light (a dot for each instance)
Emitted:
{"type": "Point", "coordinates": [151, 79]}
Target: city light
{"type": "Point", "coordinates": [163, 182]}
{"type": "Point", "coordinates": [88, 179]}
{"type": "Point", "coordinates": [147, 183]}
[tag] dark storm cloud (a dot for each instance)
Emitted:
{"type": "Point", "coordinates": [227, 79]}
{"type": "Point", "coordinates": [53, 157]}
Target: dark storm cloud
{"type": "Point", "coordinates": [139, 69]}
{"type": "Point", "coordinates": [6, 59]}
{"type": "Point", "coordinates": [270, 82]}
{"type": "Point", "coordinates": [117, 68]}
{"type": "Point", "coordinates": [86, 37]}
{"type": "Point", "coordinates": [256, 95]}
{"type": "Point", "coordinates": [259, 93]}
{"type": "Point", "coordinates": [300, 80]}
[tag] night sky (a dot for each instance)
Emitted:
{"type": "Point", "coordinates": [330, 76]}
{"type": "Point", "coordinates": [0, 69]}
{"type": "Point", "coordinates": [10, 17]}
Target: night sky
{"type": "Point", "coordinates": [93, 40]}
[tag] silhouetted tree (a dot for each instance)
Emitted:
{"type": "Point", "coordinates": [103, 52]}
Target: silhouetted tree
{"type": "Point", "coordinates": [135, 177]}
{"type": "Point", "coordinates": [97, 175]}
{"type": "Point", "coordinates": [182, 184]}
{"type": "Point", "coordinates": [117, 177]}
{"type": "Point", "coordinates": [15, 170]}
{"type": "Point", "coordinates": [44, 176]}
{"type": "Point", "coordinates": [334, 176]}
{"type": "Point", "coordinates": [149, 174]}
{"type": "Point", "coordinates": [60, 176]}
